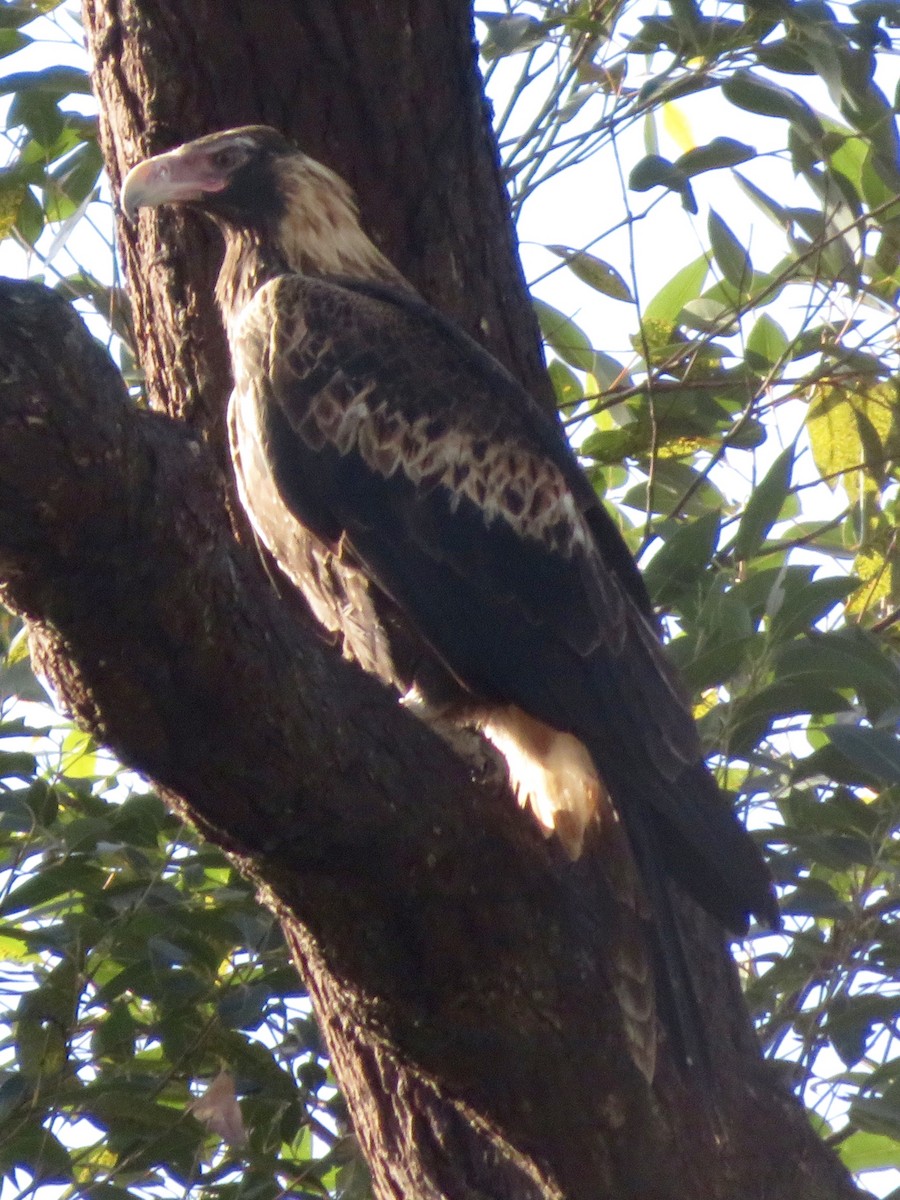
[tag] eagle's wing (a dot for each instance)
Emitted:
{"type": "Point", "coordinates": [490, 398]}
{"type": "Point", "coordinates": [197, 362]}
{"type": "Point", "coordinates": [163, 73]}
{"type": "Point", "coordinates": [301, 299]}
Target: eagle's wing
{"type": "Point", "coordinates": [403, 445]}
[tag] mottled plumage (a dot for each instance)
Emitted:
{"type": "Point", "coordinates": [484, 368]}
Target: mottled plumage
{"type": "Point", "coordinates": [436, 519]}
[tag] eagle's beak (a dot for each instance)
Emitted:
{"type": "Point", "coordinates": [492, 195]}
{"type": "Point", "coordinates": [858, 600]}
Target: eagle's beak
{"type": "Point", "coordinates": [172, 178]}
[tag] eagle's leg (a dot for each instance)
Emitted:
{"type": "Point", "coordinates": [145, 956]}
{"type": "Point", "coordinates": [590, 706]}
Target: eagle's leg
{"type": "Point", "coordinates": [459, 733]}
{"type": "Point", "coordinates": [551, 773]}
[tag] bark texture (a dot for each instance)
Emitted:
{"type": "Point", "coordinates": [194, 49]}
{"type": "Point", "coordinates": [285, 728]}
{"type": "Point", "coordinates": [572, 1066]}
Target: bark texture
{"type": "Point", "coordinates": [455, 959]}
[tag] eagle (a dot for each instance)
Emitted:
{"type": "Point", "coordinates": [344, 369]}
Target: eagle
{"type": "Point", "coordinates": [439, 524]}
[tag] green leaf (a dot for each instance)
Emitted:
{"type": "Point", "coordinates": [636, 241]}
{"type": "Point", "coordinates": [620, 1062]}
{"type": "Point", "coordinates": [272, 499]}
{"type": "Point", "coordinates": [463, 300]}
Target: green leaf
{"type": "Point", "coordinates": [731, 257]}
{"type": "Point", "coordinates": [654, 171]}
{"type": "Point", "coordinates": [755, 94]}
{"type": "Point", "coordinates": [18, 764]}
{"type": "Point", "coordinates": [814, 898]}
{"type": "Point", "coordinates": [685, 285]}
{"type": "Point", "coordinates": [851, 1019]}
{"type": "Point", "coordinates": [510, 33]}
{"type": "Point", "coordinates": [14, 1092]}
{"type": "Point", "coordinates": [353, 1180]}
{"type": "Point", "coordinates": [875, 750]}
{"type": "Point", "coordinates": [15, 815]}
{"type": "Point", "coordinates": [39, 112]}
{"type": "Point", "coordinates": [18, 648]}
{"type": "Point", "coordinates": [877, 1115]}
{"type": "Point", "coordinates": [53, 81]}
{"type": "Point", "coordinates": [834, 432]}
{"type": "Point", "coordinates": [564, 336]}
{"type": "Point", "coordinates": [709, 315]}
{"type": "Point", "coordinates": [12, 194]}
{"type": "Point", "coordinates": [863, 1151]}
{"type": "Point", "coordinates": [109, 1191]}
{"type": "Point", "coordinates": [51, 883]}
{"type": "Point", "coordinates": [38, 1151]}
{"type": "Point", "coordinates": [14, 13]}
{"type": "Point", "coordinates": [609, 372]}
{"type": "Point", "coordinates": [243, 1006]}
{"type": "Point", "coordinates": [79, 760]}
{"type": "Point", "coordinates": [753, 715]}
{"type": "Point", "coordinates": [30, 218]}
{"type": "Point", "coordinates": [765, 503]}
{"type": "Point", "coordinates": [845, 659]}
{"type": "Point", "coordinates": [764, 590]}
{"type": "Point", "coordinates": [566, 384]}
{"type": "Point", "coordinates": [11, 41]}
{"type": "Point", "coordinates": [784, 56]}
{"type": "Point", "coordinates": [849, 427]}
{"type": "Point", "coordinates": [656, 31]}
{"type": "Point", "coordinates": [682, 560]}
{"type": "Point", "coordinates": [767, 345]}
{"type": "Point", "coordinates": [675, 485]}
{"type": "Point", "coordinates": [78, 174]}
{"type": "Point", "coordinates": [611, 446]}
{"type": "Point", "coordinates": [715, 664]}
{"type": "Point", "coordinates": [594, 272]}
{"type": "Point", "coordinates": [805, 606]}
{"type": "Point", "coordinates": [720, 152]}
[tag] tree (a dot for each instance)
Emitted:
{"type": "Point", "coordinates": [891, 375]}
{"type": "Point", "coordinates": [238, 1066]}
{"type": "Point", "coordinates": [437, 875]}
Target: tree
{"type": "Point", "coordinates": [457, 968]}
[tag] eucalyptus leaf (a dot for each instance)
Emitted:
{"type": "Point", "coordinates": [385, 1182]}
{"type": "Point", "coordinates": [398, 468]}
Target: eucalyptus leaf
{"type": "Point", "coordinates": [685, 285]}
{"type": "Point", "coordinates": [764, 505]}
{"type": "Point", "coordinates": [756, 94]}
{"type": "Point", "coordinates": [655, 171]}
{"type": "Point", "coordinates": [767, 345]}
{"type": "Point", "coordinates": [810, 604]}
{"type": "Point", "coordinates": [682, 559]}
{"type": "Point", "coordinates": [720, 152]}
{"type": "Point", "coordinates": [876, 750]}
{"type": "Point", "coordinates": [596, 273]}
{"type": "Point", "coordinates": [54, 81]}
{"type": "Point", "coordinates": [561, 333]}
{"type": "Point", "coordinates": [863, 1151]}
{"type": "Point", "coordinates": [732, 258]}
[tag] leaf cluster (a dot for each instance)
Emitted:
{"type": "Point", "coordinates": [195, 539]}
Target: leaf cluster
{"type": "Point", "coordinates": [137, 965]}
{"type": "Point", "coordinates": [749, 438]}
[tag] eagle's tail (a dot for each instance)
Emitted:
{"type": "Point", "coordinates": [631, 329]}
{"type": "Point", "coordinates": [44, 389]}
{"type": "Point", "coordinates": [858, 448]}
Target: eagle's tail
{"type": "Point", "coordinates": [677, 1005]}
{"type": "Point", "coordinates": [685, 831]}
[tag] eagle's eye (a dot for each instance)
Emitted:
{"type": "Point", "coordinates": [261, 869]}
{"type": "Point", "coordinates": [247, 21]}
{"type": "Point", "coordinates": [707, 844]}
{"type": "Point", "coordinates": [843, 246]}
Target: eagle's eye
{"type": "Point", "coordinates": [227, 159]}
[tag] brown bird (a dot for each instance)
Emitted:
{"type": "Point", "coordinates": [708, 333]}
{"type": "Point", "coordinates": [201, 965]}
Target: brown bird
{"type": "Point", "coordinates": [435, 517]}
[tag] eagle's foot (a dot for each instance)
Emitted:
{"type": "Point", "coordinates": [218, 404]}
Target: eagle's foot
{"type": "Point", "coordinates": [551, 773]}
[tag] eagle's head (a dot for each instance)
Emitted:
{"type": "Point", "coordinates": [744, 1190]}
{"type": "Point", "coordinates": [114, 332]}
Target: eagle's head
{"type": "Point", "coordinates": [265, 195]}
{"type": "Point", "coordinates": [240, 177]}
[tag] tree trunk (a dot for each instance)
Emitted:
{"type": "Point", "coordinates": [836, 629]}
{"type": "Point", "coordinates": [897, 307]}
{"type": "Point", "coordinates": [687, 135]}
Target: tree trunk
{"type": "Point", "coordinates": [456, 961]}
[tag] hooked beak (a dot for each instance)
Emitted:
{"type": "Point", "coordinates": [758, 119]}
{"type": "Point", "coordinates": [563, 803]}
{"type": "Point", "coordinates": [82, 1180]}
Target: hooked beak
{"type": "Point", "coordinates": [172, 178]}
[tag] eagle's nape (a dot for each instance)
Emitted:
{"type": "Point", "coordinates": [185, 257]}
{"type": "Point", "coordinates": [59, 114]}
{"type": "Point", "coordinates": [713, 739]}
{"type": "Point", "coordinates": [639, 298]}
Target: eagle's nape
{"type": "Point", "coordinates": [436, 517]}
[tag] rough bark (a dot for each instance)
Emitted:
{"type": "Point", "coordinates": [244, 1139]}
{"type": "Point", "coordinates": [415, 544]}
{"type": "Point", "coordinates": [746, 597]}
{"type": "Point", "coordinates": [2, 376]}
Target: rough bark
{"type": "Point", "coordinates": [456, 961]}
